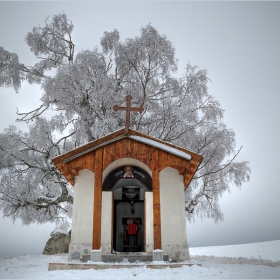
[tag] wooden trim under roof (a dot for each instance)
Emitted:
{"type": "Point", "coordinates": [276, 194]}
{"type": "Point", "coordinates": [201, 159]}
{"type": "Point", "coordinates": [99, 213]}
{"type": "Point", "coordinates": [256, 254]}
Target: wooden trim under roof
{"type": "Point", "coordinates": [121, 145]}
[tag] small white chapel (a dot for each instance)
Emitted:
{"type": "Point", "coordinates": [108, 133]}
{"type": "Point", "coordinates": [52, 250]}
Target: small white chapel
{"type": "Point", "coordinates": [129, 195]}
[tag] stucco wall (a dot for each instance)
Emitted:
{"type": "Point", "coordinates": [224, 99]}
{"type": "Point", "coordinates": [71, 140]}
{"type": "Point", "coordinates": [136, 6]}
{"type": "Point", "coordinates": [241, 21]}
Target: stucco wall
{"type": "Point", "coordinates": [173, 221]}
{"type": "Point", "coordinates": [82, 219]}
{"type": "Point", "coordinates": [106, 222]}
{"type": "Point", "coordinates": [149, 222]}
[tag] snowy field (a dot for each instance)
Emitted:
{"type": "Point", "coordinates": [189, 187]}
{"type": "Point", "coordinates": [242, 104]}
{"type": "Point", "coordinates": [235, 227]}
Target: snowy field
{"type": "Point", "coordinates": [246, 261]}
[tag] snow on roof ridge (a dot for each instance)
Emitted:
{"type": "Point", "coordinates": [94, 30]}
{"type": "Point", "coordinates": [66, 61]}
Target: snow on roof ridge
{"type": "Point", "coordinates": [142, 139]}
{"type": "Point", "coordinates": [161, 146]}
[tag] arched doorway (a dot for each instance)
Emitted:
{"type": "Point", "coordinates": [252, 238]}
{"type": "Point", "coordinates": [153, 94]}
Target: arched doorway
{"type": "Point", "coordinates": [128, 184]}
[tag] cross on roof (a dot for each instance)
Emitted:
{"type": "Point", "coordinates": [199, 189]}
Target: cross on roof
{"type": "Point", "coordinates": [128, 109]}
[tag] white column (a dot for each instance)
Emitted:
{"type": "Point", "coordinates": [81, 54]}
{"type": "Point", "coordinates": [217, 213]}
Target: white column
{"type": "Point", "coordinates": [82, 221]}
{"type": "Point", "coordinates": [106, 223]}
{"type": "Point", "coordinates": [173, 219]}
{"type": "Point", "coordinates": [149, 222]}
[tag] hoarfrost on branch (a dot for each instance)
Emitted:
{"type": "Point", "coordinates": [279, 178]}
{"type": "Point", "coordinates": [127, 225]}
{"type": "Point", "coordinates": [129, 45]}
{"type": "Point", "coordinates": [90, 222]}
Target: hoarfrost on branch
{"type": "Point", "coordinates": [82, 91]}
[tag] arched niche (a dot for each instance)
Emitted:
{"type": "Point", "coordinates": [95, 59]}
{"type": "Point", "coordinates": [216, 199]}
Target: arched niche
{"type": "Point", "coordinates": [115, 175]}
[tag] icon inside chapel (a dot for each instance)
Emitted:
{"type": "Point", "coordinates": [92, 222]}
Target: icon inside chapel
{"type": "Point", "coordinates": [131, 194]}
{"type": "Point", "coordinates": [128, 172]}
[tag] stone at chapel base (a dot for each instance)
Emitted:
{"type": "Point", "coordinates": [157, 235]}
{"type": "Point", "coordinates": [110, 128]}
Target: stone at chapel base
{"type": "Point", "coordinates": [58, 243]}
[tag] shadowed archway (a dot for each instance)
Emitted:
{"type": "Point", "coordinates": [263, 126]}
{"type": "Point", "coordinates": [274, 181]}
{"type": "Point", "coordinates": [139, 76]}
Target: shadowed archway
{"type": "Point", "coordinates": [128, 184]}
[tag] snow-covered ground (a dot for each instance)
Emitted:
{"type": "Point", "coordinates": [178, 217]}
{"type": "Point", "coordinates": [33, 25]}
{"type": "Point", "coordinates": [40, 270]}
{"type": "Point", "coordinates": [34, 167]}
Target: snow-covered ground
{"type": "Point", "coordinates": [269, 250]}
{"type": "Point", "coordinates": [256, 260]}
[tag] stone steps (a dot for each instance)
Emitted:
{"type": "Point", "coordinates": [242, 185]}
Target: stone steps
{"type": "Point", "coordinates": [125, 257]}
{"type": "Point", "coordinates": [131, 257]}
{"type": "Point", "coordinates": [117, 258]}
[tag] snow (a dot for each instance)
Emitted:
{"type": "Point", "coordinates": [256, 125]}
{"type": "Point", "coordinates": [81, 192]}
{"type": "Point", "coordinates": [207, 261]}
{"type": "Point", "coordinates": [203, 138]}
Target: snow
{"type": "Point", "coordinates": [59, 230]}
{"type": "Point", "coordinates": [256, 260]}
{"type": "Point", "coordinates": [161, 146]}
{"type": "Point", "coordinates": [263, 250]}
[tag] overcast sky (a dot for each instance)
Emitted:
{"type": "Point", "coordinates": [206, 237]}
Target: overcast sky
{"type": "Point", "coordinates": [239, 44]}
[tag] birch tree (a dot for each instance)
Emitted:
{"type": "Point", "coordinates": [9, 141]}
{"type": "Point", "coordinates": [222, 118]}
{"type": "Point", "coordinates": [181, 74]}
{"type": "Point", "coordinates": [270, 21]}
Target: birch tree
{"type": "Point", "coordinates": [82, 89]}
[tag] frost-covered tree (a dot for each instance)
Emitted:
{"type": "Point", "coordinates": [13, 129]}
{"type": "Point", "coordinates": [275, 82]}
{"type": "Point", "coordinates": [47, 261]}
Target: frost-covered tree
{"type": "Point", "coordinates": [83, 89]}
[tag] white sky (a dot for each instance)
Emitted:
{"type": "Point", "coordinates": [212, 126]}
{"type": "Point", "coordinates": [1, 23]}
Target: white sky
{"type": "Point", "coordinates": [238, 42]}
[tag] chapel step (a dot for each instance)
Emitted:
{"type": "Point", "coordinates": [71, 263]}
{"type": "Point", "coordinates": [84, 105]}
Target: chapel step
{"type": "Point", "coordinates": [130, 257]}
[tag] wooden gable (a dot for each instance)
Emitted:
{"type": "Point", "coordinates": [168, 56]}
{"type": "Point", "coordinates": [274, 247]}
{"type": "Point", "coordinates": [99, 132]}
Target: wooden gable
{"type": "Point", "coordinates": [119, 144]}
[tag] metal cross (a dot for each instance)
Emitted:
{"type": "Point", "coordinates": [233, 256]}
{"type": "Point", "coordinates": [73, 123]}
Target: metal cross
{"type": "Point", "coordinates": [128, 108]}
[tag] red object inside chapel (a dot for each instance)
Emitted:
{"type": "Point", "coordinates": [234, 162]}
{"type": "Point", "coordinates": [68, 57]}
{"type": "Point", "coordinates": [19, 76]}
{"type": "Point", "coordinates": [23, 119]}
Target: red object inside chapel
{"type": "Point", "coordinates": [132, 229]}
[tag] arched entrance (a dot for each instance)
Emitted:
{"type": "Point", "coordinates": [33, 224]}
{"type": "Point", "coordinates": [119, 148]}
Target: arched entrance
{"type": "Point", "coordinates": [128, 184]}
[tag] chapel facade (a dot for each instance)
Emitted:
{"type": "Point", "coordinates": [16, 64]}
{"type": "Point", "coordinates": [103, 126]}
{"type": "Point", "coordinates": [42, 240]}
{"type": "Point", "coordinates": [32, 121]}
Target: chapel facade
{"type": "Point", "coordinates": [128, 195]}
